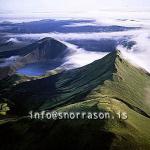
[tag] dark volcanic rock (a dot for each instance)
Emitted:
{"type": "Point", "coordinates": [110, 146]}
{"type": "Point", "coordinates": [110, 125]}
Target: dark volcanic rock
{"type": "Point", "coordinates": [43, 50]}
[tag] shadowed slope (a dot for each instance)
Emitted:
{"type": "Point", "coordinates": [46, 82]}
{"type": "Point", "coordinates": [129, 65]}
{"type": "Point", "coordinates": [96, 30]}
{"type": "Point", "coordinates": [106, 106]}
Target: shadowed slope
{"type": "Point", "coordinates": [42, 51]}
{"type": "Point", "coordinates": [110, 84]}
{"type": "Point", "coordinates": [111, 76]}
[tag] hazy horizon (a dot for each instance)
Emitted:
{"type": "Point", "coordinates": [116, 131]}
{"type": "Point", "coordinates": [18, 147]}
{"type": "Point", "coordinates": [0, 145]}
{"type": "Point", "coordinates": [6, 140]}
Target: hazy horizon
{"type": "Point", "coordinates": [29, 6]}
{"type": "Point", "coordinates": [124, 13]}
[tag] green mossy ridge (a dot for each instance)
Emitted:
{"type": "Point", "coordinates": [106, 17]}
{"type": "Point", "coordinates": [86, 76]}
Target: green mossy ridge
{"type": "Point", "coordinates": [108, 134]}
{"type": "Point", "coordinates": [109, 84]}
{"type": "Point", "coordinates": [110, 76]}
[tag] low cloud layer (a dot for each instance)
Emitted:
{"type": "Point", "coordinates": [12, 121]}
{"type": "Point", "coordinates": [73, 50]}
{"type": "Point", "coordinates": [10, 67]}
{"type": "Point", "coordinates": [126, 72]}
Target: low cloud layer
{"type": "Point", "coordinates": [79, 36]}
{"type": "Point", "coordinates": [137, 54]}
{"type": "Point", "coordinates": [79, 57]}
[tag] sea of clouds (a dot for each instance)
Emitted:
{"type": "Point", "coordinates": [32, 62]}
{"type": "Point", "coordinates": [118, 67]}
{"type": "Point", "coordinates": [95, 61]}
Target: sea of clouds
{"type": "Point", "coordinates": [138, 54]}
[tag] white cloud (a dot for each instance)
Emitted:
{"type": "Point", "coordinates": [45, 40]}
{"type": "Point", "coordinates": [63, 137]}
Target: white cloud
{"type": "Point", "coordinates": [79, 36]}
{"type": "Point", "coordinates": [82, 24]}
{"type": "Point", "coordinates": [79, 57]}
{"type": "Point", "coordinates": [138, 54]}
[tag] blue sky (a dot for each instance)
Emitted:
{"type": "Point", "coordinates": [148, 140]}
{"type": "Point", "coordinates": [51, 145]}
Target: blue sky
{"type": "Point", "coordinates": [71, 5]}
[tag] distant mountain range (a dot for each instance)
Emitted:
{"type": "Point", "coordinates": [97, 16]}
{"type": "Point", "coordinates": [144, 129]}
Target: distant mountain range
{"type": "Point", "coordinates": [109, 84]}
{"type": "Point", "coordinates": [12, 43]}
{"type": "Point", "coordinates": [61, 26]}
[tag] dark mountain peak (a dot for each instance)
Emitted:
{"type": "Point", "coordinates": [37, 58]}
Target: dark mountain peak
{"type": "Point", "coordinates": [109, 61]}
{"type": "Point", "coordinates": [116, 54]}
{"type": "Point", "coordinates": [49, 43]}
{"type": "Point", "coordinates": [116, 58]}
{"type": "Point", "coordinates": [46, 49]}
{"type": "Point", "coordinates": [46, 45]}
{"type": "Point", "coordinates": [108, 76]}
{"type": "Point", "coordinates": [49, 48]}
{"type": "Point", "coordinates": [48, 40]}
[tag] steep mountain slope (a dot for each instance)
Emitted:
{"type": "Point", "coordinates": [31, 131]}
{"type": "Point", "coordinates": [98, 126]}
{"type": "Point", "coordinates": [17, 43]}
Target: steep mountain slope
{"type": "Point", "coordinates": [110, 84]}
{"type": "Point", "coordinates": [111, 76]}
{"type": "Point", "coordinates": [47, 49]}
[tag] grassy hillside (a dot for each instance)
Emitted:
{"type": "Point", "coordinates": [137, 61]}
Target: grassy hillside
{"type": "Point", "coordinates": [109, 134]}
{"type": "Point", "coordinates": [111, 76]}
{"type": "Point", "coordinates": [110, 84]}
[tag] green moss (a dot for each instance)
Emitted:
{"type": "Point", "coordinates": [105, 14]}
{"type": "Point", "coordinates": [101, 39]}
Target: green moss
{"type": "Point", "coordinates": [110, 84]}
{"type": "Point", "coordinates": [4, 108]}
